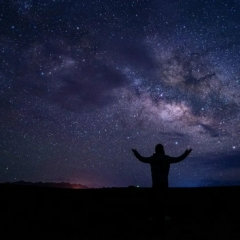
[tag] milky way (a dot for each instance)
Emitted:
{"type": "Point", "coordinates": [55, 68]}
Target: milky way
{"type": "Point", "coordinates": [83, 82]}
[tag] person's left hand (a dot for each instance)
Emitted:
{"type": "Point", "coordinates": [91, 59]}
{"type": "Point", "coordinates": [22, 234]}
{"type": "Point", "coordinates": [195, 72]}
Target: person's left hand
{"type": "Point", "coordinates": [188, 151]}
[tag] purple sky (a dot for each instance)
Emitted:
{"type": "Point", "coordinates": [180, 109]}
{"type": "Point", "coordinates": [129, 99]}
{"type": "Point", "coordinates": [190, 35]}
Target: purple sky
{"type": "Point", "coordinates": [83, 82]}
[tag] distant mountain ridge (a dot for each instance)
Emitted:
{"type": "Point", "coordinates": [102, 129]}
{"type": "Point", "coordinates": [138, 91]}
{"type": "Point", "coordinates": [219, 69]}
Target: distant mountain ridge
{"type": "Point", "coordinates": [50, 184]}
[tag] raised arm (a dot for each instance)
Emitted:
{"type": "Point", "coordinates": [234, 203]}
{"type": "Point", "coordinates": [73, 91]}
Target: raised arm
{"type": "Point", "coordinates": [180, 158]}
{"type": "Point", "coordinates": [140, 157]}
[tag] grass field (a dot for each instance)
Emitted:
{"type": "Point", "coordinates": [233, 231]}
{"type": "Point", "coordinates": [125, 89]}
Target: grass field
{"type": "Point", "coordinates": [118, 213]}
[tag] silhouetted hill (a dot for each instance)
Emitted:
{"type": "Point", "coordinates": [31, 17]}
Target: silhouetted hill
{"type": "Point", "coordinates": [49, 184]}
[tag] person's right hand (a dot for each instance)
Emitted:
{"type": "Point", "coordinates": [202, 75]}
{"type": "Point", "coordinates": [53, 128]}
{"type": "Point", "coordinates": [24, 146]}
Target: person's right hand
{"type": "Point", "coordinates": [134, 150]}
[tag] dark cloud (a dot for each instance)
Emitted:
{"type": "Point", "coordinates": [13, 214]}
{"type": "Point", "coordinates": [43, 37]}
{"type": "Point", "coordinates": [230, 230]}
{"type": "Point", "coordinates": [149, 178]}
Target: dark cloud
{"type": "Point", "coordinates": [89, 87]}
{"type": "Point", "coordinates": [225, 161]}
{"type": "Point", "coordinates": [188, 70]}
{"type": "Point", "coordinates": [210, 130]}
{"type": "Point", "coordinates": [73, 79]}
{"type": "Point", "coordinates": [134, 54]}
{"type": "Point", "coordinates": [173, 134]}
{"type": "Point", "coordinates": [191, 80]}
{"type": "Point", "coordinates": [190, 77]}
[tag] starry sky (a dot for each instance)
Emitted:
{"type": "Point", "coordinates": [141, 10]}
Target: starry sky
{"type": "Point", "coordinates": [82, 82]}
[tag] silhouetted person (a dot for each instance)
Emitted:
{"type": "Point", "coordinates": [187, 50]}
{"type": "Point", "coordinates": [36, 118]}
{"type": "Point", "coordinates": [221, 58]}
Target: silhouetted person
{"type": "Point", "coordinates": [160, 166]}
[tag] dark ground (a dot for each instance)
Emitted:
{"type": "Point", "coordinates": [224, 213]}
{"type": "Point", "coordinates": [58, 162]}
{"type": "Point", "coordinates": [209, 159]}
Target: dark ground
{"type": "Point", "coordinates": [30, 212]}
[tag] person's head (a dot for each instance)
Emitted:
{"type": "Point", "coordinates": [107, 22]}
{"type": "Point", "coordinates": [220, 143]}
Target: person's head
{"type": "Point", "coordinates": [159, 149]}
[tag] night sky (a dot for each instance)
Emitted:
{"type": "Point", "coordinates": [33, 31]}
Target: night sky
{"type": "Point", "coordinates": [82, 82]}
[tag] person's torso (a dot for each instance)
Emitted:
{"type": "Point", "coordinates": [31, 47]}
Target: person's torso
{"type": "Point", "coordinates": [159, 168]}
